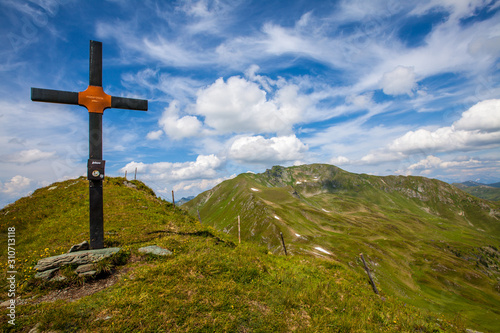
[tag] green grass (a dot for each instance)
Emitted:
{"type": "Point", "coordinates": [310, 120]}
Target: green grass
{"type": "Point", "coordinates": [482, 191]}
{"type": "Point", "coordinates": [425, 238]}
{"type": "Point", "coordinates": [209, 284]}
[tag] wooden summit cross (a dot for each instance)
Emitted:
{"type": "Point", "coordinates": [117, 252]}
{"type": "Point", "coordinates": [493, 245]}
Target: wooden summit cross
{"type": "Point", "coordinates": [96, 101]}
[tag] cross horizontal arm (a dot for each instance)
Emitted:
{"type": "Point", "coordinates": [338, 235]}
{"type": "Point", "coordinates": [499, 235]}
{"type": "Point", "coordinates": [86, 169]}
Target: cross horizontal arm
{"type": "Point", "coordinates": [54, 96]}
{"type": "Point", "coordinates": [129, 103]}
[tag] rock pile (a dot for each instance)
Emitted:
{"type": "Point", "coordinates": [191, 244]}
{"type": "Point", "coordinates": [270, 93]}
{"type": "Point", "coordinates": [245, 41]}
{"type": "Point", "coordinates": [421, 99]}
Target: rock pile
{"type": "Point", "coordinates": [85, 260]}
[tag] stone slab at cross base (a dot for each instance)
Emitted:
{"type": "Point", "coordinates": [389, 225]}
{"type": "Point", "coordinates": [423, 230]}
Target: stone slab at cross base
{"type": "Point", "coordinates": [75, 258]}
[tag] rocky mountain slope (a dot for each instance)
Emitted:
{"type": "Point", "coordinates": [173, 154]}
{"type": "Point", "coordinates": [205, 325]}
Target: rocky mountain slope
{"type": "Point", "coordinates": [429, 242]}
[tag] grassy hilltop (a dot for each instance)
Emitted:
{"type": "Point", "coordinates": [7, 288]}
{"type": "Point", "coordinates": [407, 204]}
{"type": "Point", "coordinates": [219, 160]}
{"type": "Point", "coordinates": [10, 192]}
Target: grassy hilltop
{"type": "Point", "coordinates": [429, 243]}
{"type": "Point", "coordinates": [209, 284]}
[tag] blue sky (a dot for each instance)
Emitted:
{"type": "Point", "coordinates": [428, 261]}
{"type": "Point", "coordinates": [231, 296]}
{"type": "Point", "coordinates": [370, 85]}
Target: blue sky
{"type": "Point", "coordinates": [376, 87]}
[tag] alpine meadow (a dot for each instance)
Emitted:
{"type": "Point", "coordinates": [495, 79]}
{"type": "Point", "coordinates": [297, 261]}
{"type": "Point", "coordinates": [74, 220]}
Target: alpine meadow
{"type": "Point", "coordinates": [303, 166]}
{"type": "Point", "coordinates": [431, 248]}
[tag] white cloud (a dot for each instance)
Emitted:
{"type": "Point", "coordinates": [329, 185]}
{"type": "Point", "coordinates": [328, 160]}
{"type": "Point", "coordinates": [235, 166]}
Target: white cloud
{"type": "Point", "coordinates": [185, 178]}
{"type": "Point", "coordinates": [459, 9]}
{"type": "Point", "coordinates": [205, 166]}
{"type": "Point", "coordinates": [239, 106]}
{"type": "Point", "coordinates": [484, 116]}
{"type": "Point", "coordinates": [28, 156]}
{"type": "Point", "coordinates": [363, 101]}
{"type": "Point", "coordinates": [478, 128]}
{"type": "Point", "coordinates": [154, 135]}
{"type": "Point", "coordinates": [176, 127]}
{"type": "Point", "coordinates": [339, 160]}
{"type": "Point", "coordinates": [200, 185]}
{"type": "Point", "coordinates": [450, 47]}
{"type": "Point", "coordinates": [264, 81]}
{"type": "Point", "coordinates": [381, 156]}
{"type": "Point", "coordinates": [433, 162]}
{"type": "Point", "coordinates": [281, 40]}
{"type": "Point", "coordinates": [257, 149]}
{"type": "Point", "coordinates": [17, 185]}
{"type": "Point", "coordinates": [399, 81]}
{"type": "Point", "coordinates": [485, 46]}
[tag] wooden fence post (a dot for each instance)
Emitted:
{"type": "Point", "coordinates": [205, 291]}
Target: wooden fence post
{"type": "Point", "coordinates": [239, 230]}
{"type": "Point", "coordinates": [199, 218]}
{"type": "Point", "coordinates": [173, 199]}
{"type": "Point", "coordinates": [135, 174]}
{"type": "Point", "coordinates": [283, 243]}
{"type": "Point", "coordinates": [369, 275]}
{"type": "Point", "coordinates": [125, 174]}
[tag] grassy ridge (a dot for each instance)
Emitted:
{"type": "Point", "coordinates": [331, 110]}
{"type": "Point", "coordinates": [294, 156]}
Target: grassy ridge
{"type": "Point", "coordinates": [487, 192]}
{"type": "Point", "coordinates": [431, 244]}
{"type": "Point", "coordinates": [209, 284]}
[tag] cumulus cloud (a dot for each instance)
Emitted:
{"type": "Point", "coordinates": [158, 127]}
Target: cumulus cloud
{"type": "Point", "coordinates": [400, 81]}
{"type": "Point", "coordinates": [185, 178]}
{"type": "Point", "coordinates": [433, 162]}
{"type": "Point", "coordinates": [179, 127]}
{"type": "Point", "coordinates": [339, 160]}
{"type": "Point", "coordinates": [200, 185]}
{"type": "Point", "coordinates": [484, 116]}
{"type": "Point", "coordinates": [205, 166]}
{"type": "Point", "coordinates": [478, 128]}
{"type": "Point", "coordinates": [238, 106]}
{"type": "Point", "coordinates": [18, 184]}
{"type": "Point", "coordinates": [257, 149]}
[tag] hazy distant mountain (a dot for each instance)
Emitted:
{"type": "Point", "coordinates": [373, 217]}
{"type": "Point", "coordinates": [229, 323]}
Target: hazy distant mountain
{"type": "Point", "coordinates": [184, 200]}
{"type": "Point", "coordinates": [484, 191]}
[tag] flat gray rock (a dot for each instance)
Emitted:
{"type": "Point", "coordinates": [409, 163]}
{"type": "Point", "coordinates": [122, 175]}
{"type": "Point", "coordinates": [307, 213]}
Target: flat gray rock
{"type": "Point", "coordinates": [47, 274]}
{"type": "Point", "coordinates": [88, 273]}
{"type": "Point", "coordinates": [75, 258]}
{"type": "Point", "coordinates": [85, 268]}
{"type": "Point", "coordinates": [156, 250]}
{"type": "Point", "coordinates": [80, 247]}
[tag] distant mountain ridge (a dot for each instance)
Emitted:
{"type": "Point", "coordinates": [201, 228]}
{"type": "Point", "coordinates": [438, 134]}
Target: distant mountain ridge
{"type": "Point", "coordinates": [426, 238]}
{"type": "Point", "coordinates": [483, 191]}
{"type": "Point", "coordinates": [471, 183]}
{"type": "Point", "coordinates": [182, 201]}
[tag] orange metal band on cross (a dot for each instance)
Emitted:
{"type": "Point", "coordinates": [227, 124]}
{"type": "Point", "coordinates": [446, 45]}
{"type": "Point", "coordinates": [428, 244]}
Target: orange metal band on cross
{"type": "Point", "coordinates": [94, 99]}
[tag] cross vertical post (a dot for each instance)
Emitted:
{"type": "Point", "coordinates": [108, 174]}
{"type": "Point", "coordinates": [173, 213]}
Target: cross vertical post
{"type": "Point", "coordinates": [96, 101]}
{"type": "Point", "coordinates": [96, 205]}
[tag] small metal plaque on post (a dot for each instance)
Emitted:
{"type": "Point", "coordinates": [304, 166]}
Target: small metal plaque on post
{"type": "Point", "coordinates": [95, 169]}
